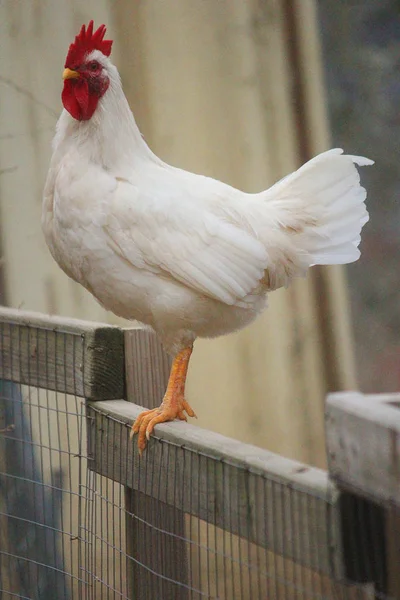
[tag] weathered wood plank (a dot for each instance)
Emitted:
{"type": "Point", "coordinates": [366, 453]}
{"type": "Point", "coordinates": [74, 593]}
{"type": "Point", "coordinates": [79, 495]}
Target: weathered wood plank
{"type": "Point", "coordinates": [156, 547]}
{"type": "Point", "coordinates": [147, 367]}
{"type": "Point", "coordinates": [65, 355]}
{"type": "Point", "coordinates": [363, 442]}
{"type": "Point", "coordinates": [278, 504]}
{"type": "Point", "coordinates": [154, 524]}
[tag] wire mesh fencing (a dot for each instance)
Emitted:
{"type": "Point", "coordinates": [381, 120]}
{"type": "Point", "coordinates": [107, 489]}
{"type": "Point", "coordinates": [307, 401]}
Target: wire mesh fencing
{"type": "Point", "coordinates": [217, 525]}
{"type": "Point", "coordinates": [47, 368]}
{"type": "Point", "coordinates": [198, 516]}
{"type": "Point", "coordinates": [41, 462]}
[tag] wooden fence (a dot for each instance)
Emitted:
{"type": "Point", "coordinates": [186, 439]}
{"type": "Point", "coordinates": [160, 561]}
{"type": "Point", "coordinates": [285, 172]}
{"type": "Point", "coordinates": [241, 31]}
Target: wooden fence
{"type": "Point", "coordinates": [198, 516]}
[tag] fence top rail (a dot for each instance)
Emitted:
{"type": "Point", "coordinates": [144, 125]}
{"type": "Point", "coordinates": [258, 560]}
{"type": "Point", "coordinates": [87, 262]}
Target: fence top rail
{"type": "Point", "coordinates": [65, 355]}
{"type": "Point", "coordinates": [251, 492]}
{"type": "Point", "coordinates": [36, 320]}
{"type": "Point", "coordinates": [363, 442]}
{"type": "Point", "coordinates": [219, 447]}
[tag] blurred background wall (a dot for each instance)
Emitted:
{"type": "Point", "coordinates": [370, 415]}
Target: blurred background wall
{"type": "Point", "coordinates": [361, 46]}
{"type": "Point", "coordinates": [233, 89]}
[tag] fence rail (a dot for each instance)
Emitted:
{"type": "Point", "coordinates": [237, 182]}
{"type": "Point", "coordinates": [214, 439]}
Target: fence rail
{"type": "Point", "coordinates": [363, 446]}
{"type": "Point", "coordinates": [198, 516]}
{"type": "Point", "coordinates": [64, 355]}
{"type": "Point", "coordinates": [363, 439]}
{"type": "Point", "coordinates": [236, 471]}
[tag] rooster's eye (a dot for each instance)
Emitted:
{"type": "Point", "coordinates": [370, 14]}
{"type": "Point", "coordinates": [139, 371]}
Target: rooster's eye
{"type": "Point", "coordinates": [93, 66]}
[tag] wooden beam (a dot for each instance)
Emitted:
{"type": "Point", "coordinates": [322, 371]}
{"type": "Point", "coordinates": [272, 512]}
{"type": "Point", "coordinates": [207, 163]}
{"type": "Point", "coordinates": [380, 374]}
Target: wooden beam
{"type": "Point", "coordinates": [278, 504]}
{"type": "Point", "coordinates": [363, 442]}
{"type": "Point", "coordinates": [151, 523]}
{"type": "Point", "coordinates": [64, 355]}
{"type": "Point", "coordinates": [147, 367]}
{"type": "Point", "coordinates": [156, 548]}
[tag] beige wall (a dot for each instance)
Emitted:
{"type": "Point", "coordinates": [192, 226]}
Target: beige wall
{"type": "Point", "coordinates": [211, 86]}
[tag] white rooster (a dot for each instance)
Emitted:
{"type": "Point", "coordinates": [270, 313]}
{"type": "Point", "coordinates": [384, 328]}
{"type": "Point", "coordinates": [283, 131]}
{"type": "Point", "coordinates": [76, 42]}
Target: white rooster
{"type": "Point", "coordinates": [185, 254]}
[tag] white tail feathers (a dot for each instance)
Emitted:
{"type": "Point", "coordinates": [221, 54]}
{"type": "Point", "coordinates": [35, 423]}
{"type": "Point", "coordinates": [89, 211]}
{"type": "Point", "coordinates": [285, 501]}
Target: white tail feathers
{"type": "Point", "coordinates": [321, 207]}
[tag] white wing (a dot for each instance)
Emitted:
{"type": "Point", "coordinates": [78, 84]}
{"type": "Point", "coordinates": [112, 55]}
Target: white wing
{"type": "Point", "coordinates": [184, 239]}
{"type": "Point", "coordinates": [223, 243]}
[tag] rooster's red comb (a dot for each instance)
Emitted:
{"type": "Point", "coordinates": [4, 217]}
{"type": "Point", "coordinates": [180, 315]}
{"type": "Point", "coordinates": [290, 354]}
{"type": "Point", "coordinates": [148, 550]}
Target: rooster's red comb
{"type": "Point", "coordinates": [86, 41]}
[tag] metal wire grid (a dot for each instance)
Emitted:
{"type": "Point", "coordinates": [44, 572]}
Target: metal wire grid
{"type": "Point", "coordinates": [41, 463]}
{"type": "Point", "coordinates": [172, 555]}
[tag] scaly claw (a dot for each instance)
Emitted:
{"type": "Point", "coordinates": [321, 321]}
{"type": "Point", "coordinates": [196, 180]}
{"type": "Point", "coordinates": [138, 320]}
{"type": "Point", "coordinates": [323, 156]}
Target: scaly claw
{"type": "Point", "coordinates": [170, 409]}
{"type": "Point", "coordinates": [188, 409]}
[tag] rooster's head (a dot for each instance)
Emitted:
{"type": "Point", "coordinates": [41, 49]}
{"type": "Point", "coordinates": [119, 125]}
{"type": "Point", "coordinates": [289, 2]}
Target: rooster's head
{"type": "Point", "coordinates": [85, 75]}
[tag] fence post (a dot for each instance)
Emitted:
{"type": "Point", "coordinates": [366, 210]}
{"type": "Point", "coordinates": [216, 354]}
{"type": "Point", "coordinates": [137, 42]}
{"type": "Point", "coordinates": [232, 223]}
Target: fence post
{"type": "Point", "coordinates": [151, 552]}
{"type": "Point", "coordinates": [363, 444]}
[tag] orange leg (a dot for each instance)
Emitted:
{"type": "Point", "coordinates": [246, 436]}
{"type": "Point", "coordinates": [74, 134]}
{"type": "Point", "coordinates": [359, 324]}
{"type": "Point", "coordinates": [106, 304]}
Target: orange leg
{"type": "Point", "coordinates": [173, 403]}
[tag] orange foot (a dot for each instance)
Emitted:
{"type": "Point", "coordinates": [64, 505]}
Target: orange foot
{"type": "Point", "coordinates": [171, 408]}
{"type": "Point", "coordinates": [173, 404]}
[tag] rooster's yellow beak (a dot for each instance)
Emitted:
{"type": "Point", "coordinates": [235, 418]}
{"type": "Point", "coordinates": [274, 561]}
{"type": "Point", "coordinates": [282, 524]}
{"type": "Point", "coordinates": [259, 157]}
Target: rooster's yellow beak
{"type": "Point", "coordinates": [70, 74]}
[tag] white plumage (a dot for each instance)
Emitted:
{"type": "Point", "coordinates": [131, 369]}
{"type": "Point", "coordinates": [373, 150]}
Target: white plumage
{"type": "Point", "coordinates": [185, 254]}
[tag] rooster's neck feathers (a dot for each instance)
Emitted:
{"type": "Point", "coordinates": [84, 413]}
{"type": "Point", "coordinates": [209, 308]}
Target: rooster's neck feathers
{"type": "Point", "coordinates": [111, 137]}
